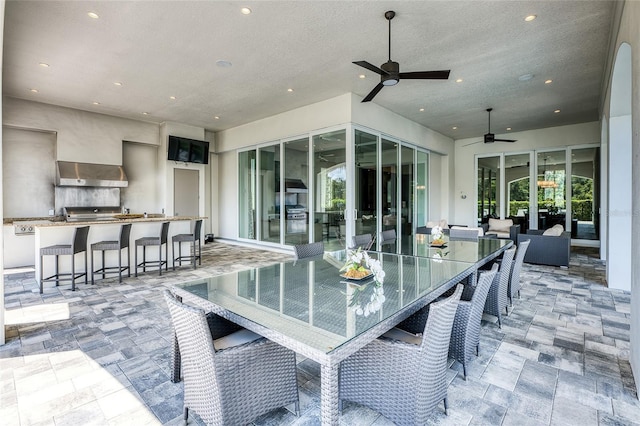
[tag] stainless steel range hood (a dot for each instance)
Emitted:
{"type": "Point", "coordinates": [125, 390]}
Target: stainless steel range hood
{"type": "Point", "coordinates": [86, 174]}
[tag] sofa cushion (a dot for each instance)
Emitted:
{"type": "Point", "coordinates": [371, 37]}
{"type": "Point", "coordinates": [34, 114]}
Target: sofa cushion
{"type": "Point", "coordinates": [555, 230]}
{"type": "Point", "coordinates": [500, 225]}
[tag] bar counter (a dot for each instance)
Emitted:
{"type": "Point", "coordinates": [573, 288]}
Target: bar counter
{"type": "Point", "coordinates": [52, 233]}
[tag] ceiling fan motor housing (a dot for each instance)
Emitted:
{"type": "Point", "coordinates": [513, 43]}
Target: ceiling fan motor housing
{"type": "Point", "coordinates": [393, 70]}
{"type": "Point", "coordinates": [489, 138]}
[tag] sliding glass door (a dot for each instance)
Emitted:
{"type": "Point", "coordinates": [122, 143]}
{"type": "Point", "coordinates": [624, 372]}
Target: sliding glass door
{"type": "Point", "coordinates": [329, 188]}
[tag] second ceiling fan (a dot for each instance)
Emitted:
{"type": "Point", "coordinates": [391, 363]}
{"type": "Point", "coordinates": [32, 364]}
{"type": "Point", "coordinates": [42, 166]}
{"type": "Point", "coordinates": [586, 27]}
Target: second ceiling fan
{"type": "Point", "coordinates": [490, 137]}
{"type": "Point", "coordinates": [390, 73]}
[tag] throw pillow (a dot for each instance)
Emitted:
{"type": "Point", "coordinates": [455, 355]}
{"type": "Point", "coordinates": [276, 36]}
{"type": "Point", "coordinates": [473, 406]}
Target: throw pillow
{"type": "Point", "coordinates": [500, 225]}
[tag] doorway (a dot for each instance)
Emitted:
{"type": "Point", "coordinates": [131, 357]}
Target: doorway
{"type": "Point", "coordinates": [186, 192]}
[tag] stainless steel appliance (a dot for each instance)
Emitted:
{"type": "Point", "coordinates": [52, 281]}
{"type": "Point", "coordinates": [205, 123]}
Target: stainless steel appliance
{"type": "Point", "coordinates": [296, 220]}
{"type": "Point", "coordinates": [90, 214]}
{"type": "Point", "coordinates": [27, 227]}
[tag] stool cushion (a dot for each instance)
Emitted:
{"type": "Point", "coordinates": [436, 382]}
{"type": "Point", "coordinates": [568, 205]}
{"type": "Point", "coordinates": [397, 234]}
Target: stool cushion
{"type": "Point", "coordinates": [106, 245]}
{"type": "Point", "coordinates": [148, 241]}
{"type": "Point", "coordinates": [58, 249]}
{"type": "Point", "coordinates": [184, 237]}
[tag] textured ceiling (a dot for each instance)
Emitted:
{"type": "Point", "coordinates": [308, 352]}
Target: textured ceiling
{"type": "Point", "coordinates": [163, 49]}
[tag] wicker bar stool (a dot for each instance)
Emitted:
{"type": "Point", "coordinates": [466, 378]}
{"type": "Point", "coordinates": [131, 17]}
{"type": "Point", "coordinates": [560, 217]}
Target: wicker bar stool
{"type": "Point", "coordinates": [154, 241]}
{"type": "Point", "coordinates": [190, 238]}
{"type": "Point", "coordinates": [79, 245]}
{"type": "Point", "coordinates": [102, 246]}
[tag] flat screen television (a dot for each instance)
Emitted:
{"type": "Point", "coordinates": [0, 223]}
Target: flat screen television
{"type": "Point", "coordinates": [188, 150]}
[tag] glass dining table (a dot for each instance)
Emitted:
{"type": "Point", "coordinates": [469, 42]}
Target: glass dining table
{"type": "Point", "coordinates": [308, 307]}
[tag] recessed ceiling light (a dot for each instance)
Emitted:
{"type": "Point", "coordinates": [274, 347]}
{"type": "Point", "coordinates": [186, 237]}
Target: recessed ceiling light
{"type": "Point", "coordinates": [117, 83]}
{"type": "Point", "coordinates": [455, 127]}
{"type": "Point", "coordinates": [245, 11]}
{"type": "Point", "coordinates": [145, 113]}
{"type": "Point", "coordinates": [421, 110]}
{"type": "Point", "coordinates": [43, 65]}
{"type": "Point", "coordinates": [530, 18]}
{"type": "Point", "coordinates": [34, 90]}
{"type": "Point", "coordinates": [459, 80]}
{"type": "Point", "coordinates": [557, 111]}
{"type": "Point", "coordinates": [525, 77]}
{"type": "Point", "coordinates": [223, 64]}
{"type": "Point", "coordinates": [173, 98]}
{"type": "Point", "coordinates": [508, 128]}
{"type": "Point", "coordinates": [93, 15]}
{"type": "Point", "coordinates": [362, 76]}
{"type": "Point", "coordinates": [548, 81]}
{"type": "Point", "coordinates": [96, 103]}
{"type": "Point", "coordinates": [216, 117]}
{"type": "Point", "coordinates": [289, 90]}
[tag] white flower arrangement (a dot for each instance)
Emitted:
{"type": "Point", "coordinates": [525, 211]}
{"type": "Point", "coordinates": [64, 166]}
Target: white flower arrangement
{"type": "Point", "coordinates": [358, 265]}
{"type": "Point", "coordinates": [437, 233]}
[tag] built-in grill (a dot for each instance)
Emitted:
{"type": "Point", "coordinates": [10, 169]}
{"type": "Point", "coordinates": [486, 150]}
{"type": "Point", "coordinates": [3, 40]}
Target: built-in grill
{"type": "Point", "coordinates": [90, 214]}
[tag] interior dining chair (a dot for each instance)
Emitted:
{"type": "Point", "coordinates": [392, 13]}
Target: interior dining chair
{"type": "Point", "coordinates": [387, 239]}
{"type": "Point", "coordinates": [234, 379]}
{"type": "Point", "coordinates": [498, 298]}
{"type": "Point", "coordinates": [402, 375]}
{"type": "Point", "coordinates": [308, 250]}
{"type": "Point", "coordinates": [363, 241]}
{"type": "Point", "coordinates": [514, 282]}
{"type": "Point", "coordinates": [465, 335]}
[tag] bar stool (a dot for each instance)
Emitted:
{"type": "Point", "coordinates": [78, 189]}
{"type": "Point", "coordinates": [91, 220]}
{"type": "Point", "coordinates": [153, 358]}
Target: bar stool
{"type": "Point", "coordinates": [192, 238]}
{"type": "Point", "coordinates": [79, 245]}
{"type": "Point", "coordinates": [153, 241]}
{"type": "Point", "coordinates": [102, 246]}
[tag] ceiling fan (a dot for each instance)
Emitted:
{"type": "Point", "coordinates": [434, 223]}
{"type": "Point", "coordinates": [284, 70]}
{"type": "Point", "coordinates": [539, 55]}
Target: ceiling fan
{"type": "Point", "coordinates": [390, 73]}
{"type": "Point", "coordinates": [490, 137]}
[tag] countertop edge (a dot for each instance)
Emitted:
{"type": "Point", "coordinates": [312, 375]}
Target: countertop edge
{"type": "Point", "coordinates": [107, 222]}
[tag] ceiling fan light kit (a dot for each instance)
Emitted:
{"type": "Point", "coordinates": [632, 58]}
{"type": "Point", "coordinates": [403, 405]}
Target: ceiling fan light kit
{"type": "Point", "coordinates": [390, 73]}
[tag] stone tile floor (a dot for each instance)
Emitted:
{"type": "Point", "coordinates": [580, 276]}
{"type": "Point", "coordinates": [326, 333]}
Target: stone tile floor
{"type": "Point", "coordinates": [100, 355]}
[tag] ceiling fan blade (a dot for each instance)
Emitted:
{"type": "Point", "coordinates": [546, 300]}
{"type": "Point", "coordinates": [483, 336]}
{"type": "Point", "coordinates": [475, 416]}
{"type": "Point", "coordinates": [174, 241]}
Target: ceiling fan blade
{"type": "Point", "coordinates": [427, 75]}
{"type": "Point", "coordinates": [505, 140]}
{"type": "Point", "coordinates": [370, 67]}
{"type": "Point", "coordinates": [472, 143]}
{"type": "Point", "coordinates": [373, 93]}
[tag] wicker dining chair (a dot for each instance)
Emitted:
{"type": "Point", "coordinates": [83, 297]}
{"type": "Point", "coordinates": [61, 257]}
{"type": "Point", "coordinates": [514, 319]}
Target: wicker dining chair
{"type": "Point", "coordinates": [403, 376]}
{"type": "Point", "coordinates": [363, 241]}
{"type": "Point", "coordinates": [465, 336]}
{"type": "Point", "coordinates": [227, 383]}
{"type": "Point", "coordinates": [498, 298]}
{"type": "Point", "coordinates": [514, 282]}
{"type": "Point", "coordinates": [308, 250]}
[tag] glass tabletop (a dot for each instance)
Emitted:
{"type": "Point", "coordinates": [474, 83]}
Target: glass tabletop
{"type": "Point", "coordinates": [480, 251]}
{"type": "Point", "coordinates": [308, 301]}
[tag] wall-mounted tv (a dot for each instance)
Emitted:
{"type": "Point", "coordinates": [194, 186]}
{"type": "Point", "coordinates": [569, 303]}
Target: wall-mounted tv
{"type": "Point", "coordinates": [188, 150]}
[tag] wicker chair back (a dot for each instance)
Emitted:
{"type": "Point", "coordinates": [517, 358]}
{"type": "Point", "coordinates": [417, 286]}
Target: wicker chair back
{"type": "Point", "coordinates": [514, 281]}
{"type": "Point", "coordinates": [465, 336]}
{"type": "Point", "coordinates": [498, 297]}
{"type": "Point", "coordinates": [308, 250]}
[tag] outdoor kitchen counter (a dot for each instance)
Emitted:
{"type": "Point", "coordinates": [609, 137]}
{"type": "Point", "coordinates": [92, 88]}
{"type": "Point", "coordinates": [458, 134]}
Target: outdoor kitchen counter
{"type": "Point", "coordinates": [53, 233]}
{"type": "Point", "coordinates": [119, 221]}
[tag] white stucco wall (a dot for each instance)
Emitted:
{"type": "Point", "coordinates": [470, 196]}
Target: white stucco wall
{"type": "Point", "coordinates": [541, 139]}
{"type": "Point", "coordinates": [629, 32]}
{"type": "Point", "coordinates": [82, 136]}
